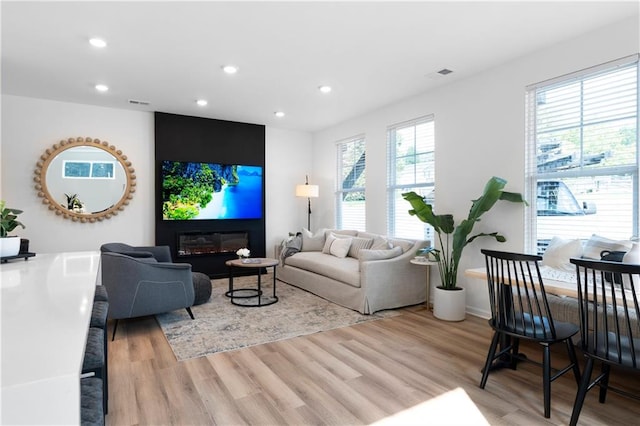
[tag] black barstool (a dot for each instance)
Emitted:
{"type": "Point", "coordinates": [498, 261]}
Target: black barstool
{"type": "Point", "coordinates": [101, 294]}
{"type": "Point", "coordinates": [94, 359]}
{"type": "Point", "coordinates": [99, 320]}
{"type": "Point", "coordinates": [91, 402]}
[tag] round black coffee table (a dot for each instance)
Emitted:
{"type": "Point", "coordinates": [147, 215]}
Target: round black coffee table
{"type": "Point", "coordinates": [251, 297]}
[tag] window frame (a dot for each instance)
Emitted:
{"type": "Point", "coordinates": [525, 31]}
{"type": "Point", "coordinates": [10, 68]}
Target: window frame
{"type": "Point", "coordinates": [392, 164]}
{"type": "Point", "coordinates": [340, 192]}
{"type": "Point", "coordinates": [532, 175]}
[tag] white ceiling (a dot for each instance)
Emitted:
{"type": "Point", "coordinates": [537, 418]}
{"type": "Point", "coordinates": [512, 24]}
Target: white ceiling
{"type": "Point", "coordinates": [371, 53]}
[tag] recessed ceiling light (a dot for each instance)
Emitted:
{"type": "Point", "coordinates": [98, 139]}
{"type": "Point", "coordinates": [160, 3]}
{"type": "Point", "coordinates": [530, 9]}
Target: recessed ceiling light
{"type": "Point", "coordinates": [279, 114]}
{"type": "Point", "coordinates": [97, 42]}
{"type": "Point", "coordinates": [202, 102]}
{"type": "Point", "coordinates": [102, 87]}
{"type": "Point", "coordinates": [230, 69]}
{"type": "Point", "coordinates": [324, 89]}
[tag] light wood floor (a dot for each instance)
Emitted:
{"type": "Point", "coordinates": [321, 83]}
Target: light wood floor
{"type": "Point", "coordinates": [398, 370]}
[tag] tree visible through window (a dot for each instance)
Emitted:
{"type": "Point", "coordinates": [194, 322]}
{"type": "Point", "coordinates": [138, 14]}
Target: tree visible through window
{"type": "Point", "coordinates": [411, 167]}
{"type": "Point", "coordinates": [582, 155]}
{"type": "Point", "coordinates": [350, 195]}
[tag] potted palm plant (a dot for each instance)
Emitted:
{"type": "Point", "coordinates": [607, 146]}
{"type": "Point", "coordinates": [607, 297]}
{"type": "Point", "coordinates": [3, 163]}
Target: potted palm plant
{"type": "Point", "coordinates": [452, 240]}
{"type": "Point", "coordinates": [9, 246]}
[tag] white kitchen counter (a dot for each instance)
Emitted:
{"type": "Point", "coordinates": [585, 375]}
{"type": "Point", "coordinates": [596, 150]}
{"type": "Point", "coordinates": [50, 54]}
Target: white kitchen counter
{"type": "Point", "coordinates": [46, 304]}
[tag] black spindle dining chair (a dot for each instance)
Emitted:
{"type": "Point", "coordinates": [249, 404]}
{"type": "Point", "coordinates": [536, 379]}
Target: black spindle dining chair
{"type": "Point", "coordinates": [609, 331]}
{"type": "Point", "coordinates": [520, 310]}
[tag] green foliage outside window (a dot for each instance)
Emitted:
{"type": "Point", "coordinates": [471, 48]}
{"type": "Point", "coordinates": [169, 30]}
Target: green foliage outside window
{"type": "Point", "coordinates": [189, 187]}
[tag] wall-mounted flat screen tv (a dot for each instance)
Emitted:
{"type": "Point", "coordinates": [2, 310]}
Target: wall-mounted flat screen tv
{"type": "Point", "coordinates": [204, 191]}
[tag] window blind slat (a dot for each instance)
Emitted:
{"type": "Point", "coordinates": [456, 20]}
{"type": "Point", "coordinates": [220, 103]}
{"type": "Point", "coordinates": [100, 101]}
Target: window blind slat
{"type": "Point", "coordinates": [350, 192]}
{"type": "Point", "coordinates": [582, 155]}
{"type": "Point", "coordinates": [411, 167]}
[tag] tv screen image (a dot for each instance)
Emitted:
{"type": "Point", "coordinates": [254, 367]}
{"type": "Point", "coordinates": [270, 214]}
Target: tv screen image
{"type": "Point", "coordinates": [205, 191]}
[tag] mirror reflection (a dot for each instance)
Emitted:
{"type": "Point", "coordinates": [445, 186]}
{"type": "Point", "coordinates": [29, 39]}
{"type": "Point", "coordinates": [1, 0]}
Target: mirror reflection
{"type": "Point", "coordinates": [84, 179]}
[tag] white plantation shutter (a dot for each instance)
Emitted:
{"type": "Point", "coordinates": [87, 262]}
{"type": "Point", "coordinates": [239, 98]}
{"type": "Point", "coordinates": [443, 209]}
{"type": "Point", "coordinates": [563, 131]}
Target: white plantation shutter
{"type": "Point", "coordinates": [582, 155]}
{"type": "Point", "coordinates": [350, 194]}
{"type": "Point", "coordinates": [411, 167]}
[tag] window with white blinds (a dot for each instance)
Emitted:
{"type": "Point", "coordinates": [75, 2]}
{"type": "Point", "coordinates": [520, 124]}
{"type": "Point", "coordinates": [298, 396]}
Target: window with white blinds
{"type": "Point", "coordinates": [411, 167]}
{"type": "Point", "coordinates": [350, 194]}
{"type": "Point", "coordinates": [582, 155]}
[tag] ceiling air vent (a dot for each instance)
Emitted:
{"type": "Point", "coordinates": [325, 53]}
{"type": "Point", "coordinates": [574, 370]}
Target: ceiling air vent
{"type": "Point", "coordinates": [137, 102]}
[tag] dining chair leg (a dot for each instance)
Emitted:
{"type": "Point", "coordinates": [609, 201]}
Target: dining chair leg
{"type": "Point", "coordinates": [490, 356]}
{"type": "Point", "coordinates": [515, 351]}
{"type": "Point", "coordinates": [604, 383]}
{"type": "Point", "coordinates": [546, 379]}
{"type": "Point", "coordinates": [571, 350]}
{"type": "Point", "coordinates": [582, 392]}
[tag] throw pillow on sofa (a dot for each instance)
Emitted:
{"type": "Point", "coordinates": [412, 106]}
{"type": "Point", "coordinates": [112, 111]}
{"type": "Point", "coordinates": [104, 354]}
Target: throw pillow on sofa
{"type": "Point", "coordinates": [370, 254]}
{"type": "Point", "coordinates": [340, 247]}
{"type": "Point", "coordinates": [337, 245]}
{"type": "Point", "coordinates": [357, 244]}
{"type": "Point", "coordinates": [311, 242]}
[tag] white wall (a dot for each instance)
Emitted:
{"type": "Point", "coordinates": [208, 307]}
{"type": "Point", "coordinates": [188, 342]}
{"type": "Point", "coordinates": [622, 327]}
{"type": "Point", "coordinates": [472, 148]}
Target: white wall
{"type": "Point", "coordinates": [288, 160]}
{"type": "Point", "coordinates": [29, 126]}
{"type": "Point", "coordinates": [479, 125]}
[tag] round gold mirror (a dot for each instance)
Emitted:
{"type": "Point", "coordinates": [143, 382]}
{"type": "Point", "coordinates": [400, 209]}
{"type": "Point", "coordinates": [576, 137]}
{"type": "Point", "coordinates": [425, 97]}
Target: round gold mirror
{"type": "Point", "coordinates": [84, 179]}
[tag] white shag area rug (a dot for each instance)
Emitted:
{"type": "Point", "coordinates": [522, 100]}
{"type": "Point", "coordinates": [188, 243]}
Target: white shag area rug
{"type": "Point", "coordinates": [221, 326]}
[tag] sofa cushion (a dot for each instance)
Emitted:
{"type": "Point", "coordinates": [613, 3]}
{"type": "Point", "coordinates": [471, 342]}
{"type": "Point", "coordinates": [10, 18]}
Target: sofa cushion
{"type": "Point", "coordinates": [337, 246]}
{"type": "Point", "coordinates": [404, 244]}
{"type": "Point", "coordinates": [339, 232]}
{"type": "Point", "coordinates": [357, 244]}
{"type": "Point", "coordinates": [371, 254]}
{"type": "Point", "coordinates": [340, 247]}
{"type": "Point", "coordinates": [346, 269]}
{"type": "Point", "coordinates": [380, 242]}
{"type": "Point", "coordinates": [312, 242]}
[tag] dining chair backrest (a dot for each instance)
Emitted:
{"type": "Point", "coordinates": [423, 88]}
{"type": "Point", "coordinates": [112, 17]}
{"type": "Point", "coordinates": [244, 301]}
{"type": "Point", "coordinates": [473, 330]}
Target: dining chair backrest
{"type": "Point", "coordinates": [609, 311]}
{"type": "Point", "coordinates": [517, 296]}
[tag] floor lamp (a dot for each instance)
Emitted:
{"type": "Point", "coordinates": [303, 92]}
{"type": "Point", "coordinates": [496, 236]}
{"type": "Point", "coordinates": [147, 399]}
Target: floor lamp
{"type": "Point", "coordinates": [309, 191]}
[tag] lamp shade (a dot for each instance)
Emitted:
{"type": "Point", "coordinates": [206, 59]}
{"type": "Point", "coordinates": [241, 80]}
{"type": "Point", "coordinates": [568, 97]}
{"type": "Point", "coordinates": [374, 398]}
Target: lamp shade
{"type": "Point", "coordinates": [308, 191]}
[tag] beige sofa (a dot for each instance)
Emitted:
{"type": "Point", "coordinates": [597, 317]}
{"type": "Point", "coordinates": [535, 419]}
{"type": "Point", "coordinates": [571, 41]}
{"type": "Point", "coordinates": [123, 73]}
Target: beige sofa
{"type": "Point", "coordinates": [374, 274]}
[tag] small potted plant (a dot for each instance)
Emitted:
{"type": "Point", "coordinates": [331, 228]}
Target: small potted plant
{"type": "Point", "coordinates": [452, 239]}
{"type": "Point", "coordinates": [9, 245]}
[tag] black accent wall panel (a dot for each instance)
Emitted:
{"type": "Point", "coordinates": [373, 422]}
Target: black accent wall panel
{"type": "Point", "coordinates": [186, 138]}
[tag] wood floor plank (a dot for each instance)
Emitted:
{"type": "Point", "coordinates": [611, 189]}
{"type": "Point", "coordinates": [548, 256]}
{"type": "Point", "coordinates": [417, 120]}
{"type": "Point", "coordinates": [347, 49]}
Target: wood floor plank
{"type": "Point", "coordinates": [364, 374]}
{"type": "Point", "coordinates": [219, 403]}
{"type": "Point", "coordinates": [269, 382]}
{"type": "Point", "coordinates": [239, 384]}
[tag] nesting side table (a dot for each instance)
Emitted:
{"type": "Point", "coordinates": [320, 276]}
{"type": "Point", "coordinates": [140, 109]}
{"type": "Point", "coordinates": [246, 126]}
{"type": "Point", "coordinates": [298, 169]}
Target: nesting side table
{"type": "Point", "coordinates": [428, 264]}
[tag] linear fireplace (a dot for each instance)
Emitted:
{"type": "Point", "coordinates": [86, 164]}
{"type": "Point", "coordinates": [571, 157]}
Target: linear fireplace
{"type": "Point", "coordinates": [207, 243]}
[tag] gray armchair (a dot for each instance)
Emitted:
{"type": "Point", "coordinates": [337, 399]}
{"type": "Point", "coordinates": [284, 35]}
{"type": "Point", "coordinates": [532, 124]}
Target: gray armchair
{"type": "Point", "coordinates": [160, 253]}
{"type": "Point", "coordinates": [143, 286]}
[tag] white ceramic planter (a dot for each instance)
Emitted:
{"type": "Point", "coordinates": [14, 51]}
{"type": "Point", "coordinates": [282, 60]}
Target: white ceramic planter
{"type": "Point", "coordinates": [9, 246]}
{"type": "Point", "coordinates": [449, 305]}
